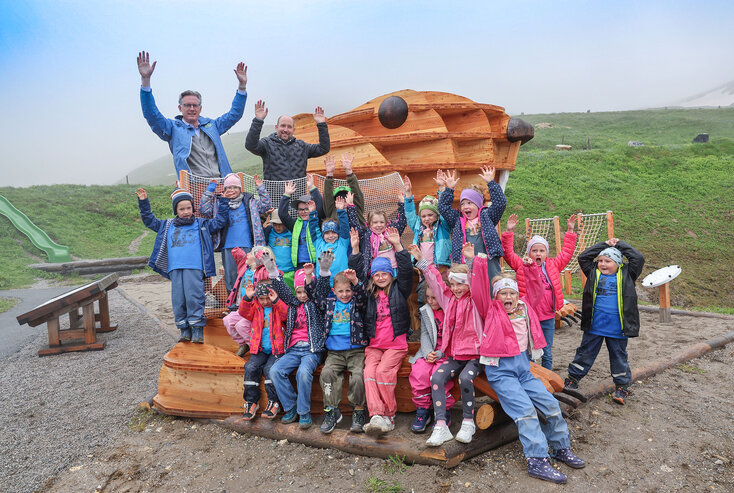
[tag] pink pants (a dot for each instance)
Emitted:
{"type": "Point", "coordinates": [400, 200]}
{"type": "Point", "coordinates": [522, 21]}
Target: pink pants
{"type": "Point", "coordinates": [380, 378]}
{"type": "Point", "coordinates": [238, 327]}
{"type": "Point", "coordinates": [420, 383]}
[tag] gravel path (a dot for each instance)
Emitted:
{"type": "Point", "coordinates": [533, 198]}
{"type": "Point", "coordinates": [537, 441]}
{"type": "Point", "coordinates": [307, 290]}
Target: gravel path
{"type": "Point", "coordinates": [58, 408]}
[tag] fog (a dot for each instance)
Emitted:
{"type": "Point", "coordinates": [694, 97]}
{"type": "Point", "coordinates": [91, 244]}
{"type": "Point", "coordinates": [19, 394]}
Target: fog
{"type": "Point", "coordinates": [71, 87]}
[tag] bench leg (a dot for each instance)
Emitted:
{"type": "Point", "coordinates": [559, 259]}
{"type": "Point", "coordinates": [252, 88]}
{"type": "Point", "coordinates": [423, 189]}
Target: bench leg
{"type": "Point", "coordinates": [53, 332]}
{"type": "Point", "coordinates": [89, 334]}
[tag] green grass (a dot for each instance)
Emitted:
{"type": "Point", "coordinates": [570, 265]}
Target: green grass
{"type": "Point", "coordinates": [7, 303]}
{"type": "Point", "coordinates": [376, 485]}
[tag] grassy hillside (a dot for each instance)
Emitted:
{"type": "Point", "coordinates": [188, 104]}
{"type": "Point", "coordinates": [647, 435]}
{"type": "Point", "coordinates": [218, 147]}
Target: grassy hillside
{"type": "Point", "coordinates": [672, 201]}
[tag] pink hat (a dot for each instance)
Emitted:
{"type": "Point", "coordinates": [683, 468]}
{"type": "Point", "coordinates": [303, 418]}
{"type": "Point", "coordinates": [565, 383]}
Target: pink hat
{"type": "Point", "coordinates": [299, 280]}
{"type": "Point", "coordinates": [472, 196]}
{"type": "Point", "coordinates": [232, 180]}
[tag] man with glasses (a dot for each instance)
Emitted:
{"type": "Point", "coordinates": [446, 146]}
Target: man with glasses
{"type": "Point", "coordinates": [193, 139]}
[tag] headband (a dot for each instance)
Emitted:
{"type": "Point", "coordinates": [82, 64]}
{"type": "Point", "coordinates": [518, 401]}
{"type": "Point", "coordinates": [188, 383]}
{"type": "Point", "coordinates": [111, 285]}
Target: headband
{"type": "Point", "coordinates": [504, 283]}
{"type": "Point", "coordinates": [262, 290]}
{"type": "Point", "coordinates": [538, 239]}
{"type": "Point", "coordinates": [329, 226]}
{"type": "Point", "coordinates": [458, 277]}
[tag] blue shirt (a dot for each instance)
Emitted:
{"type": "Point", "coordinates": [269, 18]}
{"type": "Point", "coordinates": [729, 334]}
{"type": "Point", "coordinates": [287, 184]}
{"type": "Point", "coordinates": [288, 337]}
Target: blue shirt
{"type": "Point", "coordinates": [606, 321]}
{"type": "Point", "coordinates": [340, 334]}
{"type": "Point", "coordinates": [265, 340]}
{"type": "Point", "coordinates": [184, 247]}
{"type": "Point", "coordinates": [239, 233]}
{"type": "Point", "coordinates": [303, 256]}
{"type": "Point", "coordinates": [280, 244]}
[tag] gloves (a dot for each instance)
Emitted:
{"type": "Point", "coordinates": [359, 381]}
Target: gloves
{"type": "Point", "coordinates": [269, 264]}
{"type": "Point", "coordinates": [326, 259]}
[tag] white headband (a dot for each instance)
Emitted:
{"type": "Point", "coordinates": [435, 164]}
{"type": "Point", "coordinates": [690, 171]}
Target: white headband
{"type": "Point", "coordinates": [538, 239]}
{"type": "Point", "coordinates": [460, 278]}
{"type": "Point", "coordinates": [504, 283]}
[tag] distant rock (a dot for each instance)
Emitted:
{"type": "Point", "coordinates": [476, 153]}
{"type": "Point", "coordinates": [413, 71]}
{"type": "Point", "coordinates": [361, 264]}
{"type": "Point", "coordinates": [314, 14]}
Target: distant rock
{"type": "Point", "coordinates": [634, 143]}
{"type": "Point", "coordinates": [701, 139]}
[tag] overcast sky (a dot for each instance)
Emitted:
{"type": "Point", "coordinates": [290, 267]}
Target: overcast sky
{"type": "Point", "coordinates": [71, 88]}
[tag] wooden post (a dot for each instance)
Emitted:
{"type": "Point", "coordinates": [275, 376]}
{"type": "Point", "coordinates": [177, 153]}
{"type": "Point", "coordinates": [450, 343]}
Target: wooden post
{"type": "Point", "coordinates": [582, 246]}
{"type": "Point", "coordinates": [610, 225]}
{"type": "Point", "coordinates": [73, 318]}
{"type": "Point", "coordinates": [183, 179]}
{"type": "Point", "coordinates": [53, 331]}
{"type": "Point", "coordinates": [557, 233]}
{"type": "Point", "coordinates": [88, 314]}
{"type": "Point", "coordinates": [567, 286]}
{"type": "Point", "coordinates": [527, 230]}
{"type": "Point", "coordinates": [664, 291]}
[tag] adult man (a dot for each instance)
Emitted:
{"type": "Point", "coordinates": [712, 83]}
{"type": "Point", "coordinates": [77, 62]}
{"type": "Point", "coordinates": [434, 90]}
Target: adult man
{"type": "Point", "coordinates": [193, 139]}
{"type": "Point", "coordinates": [284, 156]}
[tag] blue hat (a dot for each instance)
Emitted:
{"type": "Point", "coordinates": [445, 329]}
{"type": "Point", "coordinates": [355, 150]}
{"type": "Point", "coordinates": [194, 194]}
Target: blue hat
{"type": "Point", "coordinates": [180, 194]}
{"type": "Point", "coordinates": [329, 226]}
{"type": "Point", "coordinates": [613, 254]}
{"type": "Point", "coordinates": [381, 264]}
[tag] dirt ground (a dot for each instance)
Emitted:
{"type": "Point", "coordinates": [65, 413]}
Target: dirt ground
{"type": "Point", "coordinates": [675, 434]}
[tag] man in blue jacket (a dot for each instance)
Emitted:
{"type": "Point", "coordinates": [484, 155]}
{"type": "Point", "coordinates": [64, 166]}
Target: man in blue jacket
{"type": "Point", "coordinates": [193, 139]}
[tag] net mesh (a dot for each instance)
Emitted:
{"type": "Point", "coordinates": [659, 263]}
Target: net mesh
{"type": "Point", "coordinates": [380, 193]}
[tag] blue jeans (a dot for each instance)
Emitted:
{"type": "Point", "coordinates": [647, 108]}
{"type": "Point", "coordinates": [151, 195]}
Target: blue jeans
{"type": "Point", "coordinates": [187, 297]}
{"type": "Point", "coordinates": [230, 267]}
{"type": "Point", "coordinates": [257, 366]}
{"type": "Point", "coordinates": [520, 393]}
{"type": "Point", "coordinates": [301, 358]}
{"type": "Point", "coordinates": [549, 328]}
{"type": "Point", "coordinates": [587, 352]}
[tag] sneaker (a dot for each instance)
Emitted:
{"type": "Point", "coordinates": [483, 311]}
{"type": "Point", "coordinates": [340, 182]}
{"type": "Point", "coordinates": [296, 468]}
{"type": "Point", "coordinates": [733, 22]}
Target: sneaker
{"type": "Point", "coordinates": [569, 458]}
{"type": "Point", "coordinates": [250, 410]}
{"type": "Point", "coordinates": [332, 416]}
{"type": "Point", "coordinates": [440, 435]}
{"type": "Point", "coordinates": [540, 468]}
{"type": "Point", "coordinates": [466, 432]}
{"type": "Point", "coordinates": [304, 421]}
{"type": "Point", "coordinates": [197, 336]}
{"type": "Point", "coordinates": [271, 411]}
{"type": "Point", "coordinates": [185, 335]}
{"type": "Point", "coordinates": [375, 426]}
{"type": "Point", "coordinates": [620, 395]}
{"type": "Point", "coordinates": [290, 416]}
{"type": "Point", "coordinates": [388, 423]}
{"type": "Point", "coordinates": [357, 421]}
{"type": "Point", "coordinates": [422, 420]}
{"type": "Point", "coordinates": [242, 350]}
{"type": "Point", "coordinates": [570, 384]}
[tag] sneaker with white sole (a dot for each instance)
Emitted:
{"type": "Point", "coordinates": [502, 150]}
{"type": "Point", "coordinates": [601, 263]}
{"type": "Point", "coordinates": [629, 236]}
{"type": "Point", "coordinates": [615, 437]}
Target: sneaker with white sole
{"type": "Point", "coordinates": [466, 432]}
{"type": "Point", "coordinates": [440, 435]}
{"type": "Point", "coordinates": [389, 423]}
{"type": "Point", "coordinates": [376, 426]}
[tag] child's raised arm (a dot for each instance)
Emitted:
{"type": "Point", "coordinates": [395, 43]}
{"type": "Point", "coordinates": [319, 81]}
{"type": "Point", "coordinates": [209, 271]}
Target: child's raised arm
{"type": "Point", "coordinates": [508, 239]}
{"type": "Point", "coordinates": [634, 258]}
{"type": "Point", "coordinates": [263, 201]}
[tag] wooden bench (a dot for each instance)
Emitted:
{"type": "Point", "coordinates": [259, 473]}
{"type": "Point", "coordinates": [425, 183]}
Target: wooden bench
{"type": "Point", "coordinates": [81, 326]}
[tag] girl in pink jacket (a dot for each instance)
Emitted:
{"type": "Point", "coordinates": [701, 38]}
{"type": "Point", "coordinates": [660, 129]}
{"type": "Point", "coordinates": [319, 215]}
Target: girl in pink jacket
{"type": "Point", "coordinates": [460, 338]}
{"type": "Point", "coordinates": [511, 331]}
{"type": "Point", "coordinates": [539, 277]}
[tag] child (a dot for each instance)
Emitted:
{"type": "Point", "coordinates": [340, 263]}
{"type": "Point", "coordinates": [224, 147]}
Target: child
{"type": "Point", "coordinates": [302, 249]}
{"type": "Point", "coordinates": [333, 236]}
{"type": "Point", "coordinates": [539, 277]}
{"type": "Point", "coordinates": [268, 314]}
{"type": "Point", "coordinates": [304, 342]}
{"type": "Point", "coordinates": [345, 342]}
{"type": "Point", "coordinates": [426, 361]}
{"type": "Point", "coordinates": [511, 330]}
{"type": "Point", "coordinates": [430, 231]}
{"type": "Point", "coordinates": [279, 239]}
{"type": "Point", "coordinates": [237, 326]}
{"type": "Point", "coordinates": [183, 253]}
{"type": "Point", "coordinates": [331, 193]}
{"type": "Point", "coordinates": [387, 322]}
{"type": "Point", "coordinates": [460, 338]}
{"type": "Point", "coordinates": [474, 223]}
{"type": "Point", "coordinates": [609, 312]}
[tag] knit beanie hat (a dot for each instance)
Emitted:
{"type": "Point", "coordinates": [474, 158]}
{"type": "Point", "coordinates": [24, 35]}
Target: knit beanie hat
{"type": "Point", "coordinates": [472, 196]}
{"type": "Point", "coordinates": [329, 225]}
{"type": "Point", "coordinates": [428, 203]}
{"type": "Point", "coordinates": [180, 194]}
{"type": "Point", "coordinates": [613, 254]}
{"type": "Point", "coordinates": [299, 279]}
{"type": "Point", "coordinates": [538, 239]}
{"type": "Point", "coordinates": [381, 264]}
{"type": "Point", "coordinates": [232, 180]}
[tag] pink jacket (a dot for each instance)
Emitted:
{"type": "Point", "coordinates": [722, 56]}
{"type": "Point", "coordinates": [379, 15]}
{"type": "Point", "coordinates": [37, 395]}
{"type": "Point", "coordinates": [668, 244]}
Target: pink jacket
{"type": "Point", "coordinates": [462, 327]}
{"type": "Point", "coordinates": [529, 276]}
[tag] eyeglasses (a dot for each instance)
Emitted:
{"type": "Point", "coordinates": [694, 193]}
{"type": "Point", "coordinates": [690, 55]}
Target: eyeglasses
{"type": "Point", "coordinates": [303, 210]}
{"type": "Point", "coordinates": [190, 105]}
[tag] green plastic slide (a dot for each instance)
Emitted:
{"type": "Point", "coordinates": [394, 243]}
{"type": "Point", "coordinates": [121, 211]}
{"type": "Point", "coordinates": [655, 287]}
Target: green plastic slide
{"type": "Point", "coordinates": [56, 253]}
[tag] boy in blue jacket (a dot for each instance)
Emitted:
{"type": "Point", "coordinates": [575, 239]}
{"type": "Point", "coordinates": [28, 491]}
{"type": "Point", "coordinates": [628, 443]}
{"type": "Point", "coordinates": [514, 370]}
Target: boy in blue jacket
{"type": "Point", "coordinates": [183, 253]}
{"type": "Point", "coordinates": [331, 236]}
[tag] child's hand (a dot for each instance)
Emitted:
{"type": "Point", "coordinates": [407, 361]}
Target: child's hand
{"type": "Point", "coordinates": [349, 198]}
{"type": "Point", "coordinates": [258, 180]}
{"type": "Point", "coordinates": [309, 181]}
{"type": "Point", "coordinates": [415, 251]}
{"type": "Point", "coordinates": [512, 222]}
{"type": "Point", "coordinates": [272, 295]}
{"type": "Point", "coordinates": [340, 203]}
{"type": "Point", "coordinates": [250, 291]}
{"type": "Point", "coordinates": [142, 194]}
{"type": "Point", "coordinates": [269, 263]}
{"type": "Point", "coordinates": [354, 239]}
{"type": "Point", "coordinates": [351, 275]}
{"type": "Point", "coordinates": [330, 165]}
{"type": "Point", "coordinates": [407, 186]}
{"type": "Point", "coordinates": [487, 173]}
{"type": "Point", "coordinates": [451, 179]}
{"type": "Point", "coordinates": [230, 193]}
{"type": "Point", "coordinates": [401, 198]}
{"type": "Point", "coordinates": [311, 205]}
{"type": "Point", "coordinates": [290, 188]}
{"type": "Point", "coordinates": [571, 223]}
{"type": "Point", "coordinates": [393, 236]}
{"type": "Point", "coordinates": [221, 270]}
{"type": "Point", "coordinates": [347, 160]}
{"type": "Point", "coordinates": [326, 259]}
{"type": "Point", "coordinates": [308, 269]}
{"type": "Point", "coordinates": [431, 357]}
{"type": "Point", "coordinates": [613, 242]}
{"type": "Point", "coordinates": [440, 179]}
{"type": "Point", "coordinates": [467, 250]}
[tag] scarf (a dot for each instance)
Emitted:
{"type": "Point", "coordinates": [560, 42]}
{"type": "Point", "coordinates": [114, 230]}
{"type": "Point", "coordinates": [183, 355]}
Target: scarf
{"type": "Point", "coordinates": [236, 202]}
{"type": "Point", "coordinates": [183, 221]}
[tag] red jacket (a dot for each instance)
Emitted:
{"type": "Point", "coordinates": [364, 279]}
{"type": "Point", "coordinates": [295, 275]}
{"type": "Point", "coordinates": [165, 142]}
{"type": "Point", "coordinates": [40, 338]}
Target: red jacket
{"type": "Point", "coordinates": [253, 311]}
{"type": "Point", "coordinates": [240, 258]}
{"type": "Point", "coordinates": [530, 276]}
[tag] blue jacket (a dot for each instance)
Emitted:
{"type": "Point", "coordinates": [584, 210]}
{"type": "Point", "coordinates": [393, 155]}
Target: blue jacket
{"type": "Point", "coordinates": [488, 218]}
{"type": "Point", "coordinates": [158, 260]}
{"type": "Point", "coordinates": [442, 234]}
{"type": "Point", "coordinates": [340, 247]}
{"type": "Point", "coordinates": [178, 133]}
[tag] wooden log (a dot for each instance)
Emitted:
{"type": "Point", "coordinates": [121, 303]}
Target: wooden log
{"type": "Point", "coordinates": [123, 262]}
{"type": "Point", "coordinates": [664, 291]}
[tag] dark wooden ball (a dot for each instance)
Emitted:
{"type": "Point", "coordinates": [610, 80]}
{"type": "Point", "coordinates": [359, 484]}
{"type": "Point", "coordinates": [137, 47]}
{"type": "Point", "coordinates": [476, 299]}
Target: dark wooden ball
{"type": "Point", "coordinates": [393, 112]}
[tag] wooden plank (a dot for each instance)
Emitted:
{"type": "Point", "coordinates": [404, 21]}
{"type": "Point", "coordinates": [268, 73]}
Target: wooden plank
{"type": "Point", "coordinates": [90, 337]}
{"type": "Point", "coordinates": [65, 309]}
{"type": "Point", "coordinates": [97, 346]}
{"type": "Point", "coordinates": [53, 331]}
{"type": "Point", "coordinates": [69, 334]}
{"type": "Point", "coordinates": [104, 311]}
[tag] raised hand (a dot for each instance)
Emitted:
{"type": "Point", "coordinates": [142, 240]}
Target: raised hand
{"type": "Point", "coordinates": [290, 188]}
{"type": "Point", "coordinates": [258, 180]}
{"type": "Point", "coordinates": [308, 269]}
{"type": "Point", "coordinates": [309, 181]}
{"type": "Point", "coordinates": [400, 197]}
{"type": "Point", "coordinates": [571, 223]}
{"type": "Point", "coordinates": [326, 259]}
{"type": "Point", "coordinates": [230, 193]}
{"type": "Point", "coordinates": [354, 239]}
{"type": "Point", "coordinates": [393, 236]}
{"type": "Point", "coordinates": [144, 67]}
{"type": "Point", "coordinates": [351, 274]}
{"type": "Point", "coordinates": [440, 179]}
{"type": "Point", "coordinates": [347, 160]}
{"type": "Point", "coordinates": [142, 194]}
{"type": "Point", "coordinates": [415, 251]}
{"type": "Point", "coordinates": [487, 173]}
{"type": "Point", "coordinates": [318, 115]}
{"type": "Point", "coordinates": [349, 198]}
{"type": "Point", "coordinates": [269, 263]}
{"type": "Point", "coordinates": [250, 291]}
{"type": "Point", "coordinates": [340, 203]}
{"type": "Point", "coordinates": [272, 295]}
{"type": "Point", "coordinates": [512, 222]}
{"type": "Point", "coordinates": [612, 242]}
{"type": "Point", "coordinates": [407, 186]}
{"type": "Point", "coordinates": [330, 165]}
{"type": "Point", "coordinates": [451, 179]}
{"type": "Point", "coordinates": [241, 73]}
{"type": "Point", "coordinates": [467, 250]}
{"type": "Point", "coordinates": [260, 110]}
{"type": "Point", "coordinates": [311, 205]}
